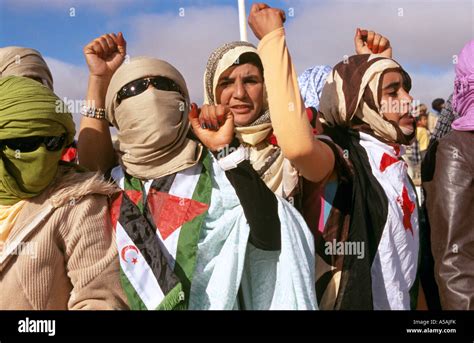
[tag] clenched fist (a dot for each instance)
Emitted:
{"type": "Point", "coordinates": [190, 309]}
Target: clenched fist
{"type": "Point", "coordinates": [213, 125]}
{"type": "Point", "coordinates": [263, 19]}
{"type": "Point", "coordinates": [370, 42]}
{"type": "Point", "coordinates": [105, 54]}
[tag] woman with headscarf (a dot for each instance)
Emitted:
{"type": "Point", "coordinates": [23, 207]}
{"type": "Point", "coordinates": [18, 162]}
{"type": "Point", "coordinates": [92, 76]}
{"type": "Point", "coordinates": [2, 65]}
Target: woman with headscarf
{"type": "Point", "coordinates": [234, 83]}
{"type": "Point", "coordinates": [377, 202]}
{"type": "Point", "coordinates": [188, 232]}
{"type": "Point", "coordinates": [234, 80]}
{"type": "Point", "coordinates": [57, 248]}
{"type": "Point", "coordinates": [450, 195]}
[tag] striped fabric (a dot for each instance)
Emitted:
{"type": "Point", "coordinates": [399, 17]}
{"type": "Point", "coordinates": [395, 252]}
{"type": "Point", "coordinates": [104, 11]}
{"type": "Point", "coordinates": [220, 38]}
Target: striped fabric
{"type": "Point", "coordinates": [157, 225]}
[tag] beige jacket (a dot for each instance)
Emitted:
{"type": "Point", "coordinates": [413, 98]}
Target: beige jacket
{"type": "Point", "coordinates": [61, 253]}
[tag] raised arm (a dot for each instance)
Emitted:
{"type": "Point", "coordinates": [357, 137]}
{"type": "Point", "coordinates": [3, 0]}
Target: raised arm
{"type": "Point", "coordinates": [314, 159]}
{"type": "Point", "coordinates": [103, 55]}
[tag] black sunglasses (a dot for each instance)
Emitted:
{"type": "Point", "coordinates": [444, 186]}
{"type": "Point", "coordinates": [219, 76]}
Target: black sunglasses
{"type": "Point", "coordinates": [139, 86]}
{"type": "Point", "coordinates": [29, 144]}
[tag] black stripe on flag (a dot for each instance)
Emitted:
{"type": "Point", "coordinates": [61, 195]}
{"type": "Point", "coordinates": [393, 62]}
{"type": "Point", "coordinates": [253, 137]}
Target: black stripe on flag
{"type": "Point", "coordinates": [163, 184]}
{"type": "Point", "coordinates": [144, 237]}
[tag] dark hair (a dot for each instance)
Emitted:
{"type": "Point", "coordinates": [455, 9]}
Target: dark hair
{"type": "Point", "coordinates": [437, 103]}
{"type": "Point", "coordinates": [252, 58]}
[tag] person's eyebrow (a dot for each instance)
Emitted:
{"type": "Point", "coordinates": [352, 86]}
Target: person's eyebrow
{"type": "Point", "coordinates": [395, 84]}
{"type": "Point", "coordinates": [226, 78]}
{"type": "Point", "coordinates": [251, 76]}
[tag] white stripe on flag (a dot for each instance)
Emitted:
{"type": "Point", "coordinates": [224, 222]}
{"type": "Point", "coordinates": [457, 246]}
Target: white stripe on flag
{"type": "Point", "coordinates": [147, 186]}
{"type": "Point", "coordinates": [139, 274]}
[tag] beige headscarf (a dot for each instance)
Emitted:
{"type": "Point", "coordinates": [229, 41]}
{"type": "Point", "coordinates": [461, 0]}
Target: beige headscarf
{"type": "Point", "coordinates": [18, 61]}
{"type": "Point", "coordinates": [351, 97]}
{"type": "Point", "coordinates": [152, 126]}
{"type": "Point", "coordinates": [266, 159]}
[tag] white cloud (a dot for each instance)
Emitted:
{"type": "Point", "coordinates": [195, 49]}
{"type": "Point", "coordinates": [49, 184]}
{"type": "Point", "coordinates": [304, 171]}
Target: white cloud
{"type": "Point", "coordinates": [185, 41]}
{"type": "Point", "coordinates": [424, 40]}
{"type": "Point", "coordinates": [425, 36]}
{"type": "Point", "coordinates": [421, 32]}
{"type": "Point", "coordinates": [70, 84]}
{"type": "Point", "coordinates": [427, 87]}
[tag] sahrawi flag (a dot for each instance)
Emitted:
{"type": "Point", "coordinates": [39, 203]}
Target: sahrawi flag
{"type": "Point", "coordinates": [157, 226]}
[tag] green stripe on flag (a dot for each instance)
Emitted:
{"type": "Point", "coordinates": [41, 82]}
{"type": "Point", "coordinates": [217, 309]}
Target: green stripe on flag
{"type": "Point", "coordinates": [186, 254]}
{"type": "Point", "coordinates": [134, 184]}
{"type": "Point", "coordinates": [134, 300]}
{"type": "Point", "coordinates": [174, 300]}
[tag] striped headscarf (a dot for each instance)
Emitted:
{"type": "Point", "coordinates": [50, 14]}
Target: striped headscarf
{"type": "Point", "coordinates": [352, 94]}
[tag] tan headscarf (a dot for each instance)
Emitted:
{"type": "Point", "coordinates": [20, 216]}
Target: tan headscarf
{"type": "Point", "coordinates": [152, 126]}
{"type": "Point", "coordinates": [18, 61]}
{"type": "Point", "coordinates": [351, 97]}
{"type": "Point", "coordinates": [266, 159]}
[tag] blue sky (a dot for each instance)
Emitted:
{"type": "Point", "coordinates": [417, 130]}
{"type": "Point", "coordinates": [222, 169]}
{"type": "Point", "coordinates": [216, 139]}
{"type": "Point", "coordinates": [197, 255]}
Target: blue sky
{"type": "Point", "coordinates": [425, 34]}
{"type": "Point", "coordinates": [52, 30]}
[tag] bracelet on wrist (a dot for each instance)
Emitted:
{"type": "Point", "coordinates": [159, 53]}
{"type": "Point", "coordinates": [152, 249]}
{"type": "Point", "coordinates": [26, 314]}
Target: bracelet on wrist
{"type": "Point", "coordinates": [92, 112]}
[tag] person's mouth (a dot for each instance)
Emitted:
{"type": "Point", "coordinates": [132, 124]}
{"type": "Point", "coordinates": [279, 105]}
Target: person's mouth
{"type": "Point", "coordinates": [406, 120]}
{"type": "Point", "coordinates": [407, 124]}
{"type": "Point", "coordinates": [241, 108]}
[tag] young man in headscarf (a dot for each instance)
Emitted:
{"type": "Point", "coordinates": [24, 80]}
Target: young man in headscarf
{"type": "Point", "coordinates": [450, 195]}
{"type": "Point", "coordinates": [190, 235]}
{"type": "Point", "coordinates": [55, 234]}
{"type": "Point", "coordinates": [365, 104]}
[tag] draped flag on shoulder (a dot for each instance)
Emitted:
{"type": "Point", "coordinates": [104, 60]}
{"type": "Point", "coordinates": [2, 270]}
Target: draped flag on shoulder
{"type": "Point", "coordinates": [157, 225]}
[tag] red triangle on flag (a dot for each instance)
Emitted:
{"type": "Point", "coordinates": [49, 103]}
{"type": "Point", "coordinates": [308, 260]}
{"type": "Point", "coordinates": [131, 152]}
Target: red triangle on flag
{"type": "Point", "coordinates": [387, 161]}
{"type": "Point", "coordinates": [133, 195]}
{"type": "Point", "coordinates": [171, 212]}
{"type": "Point", "coordinates": [115, 208]}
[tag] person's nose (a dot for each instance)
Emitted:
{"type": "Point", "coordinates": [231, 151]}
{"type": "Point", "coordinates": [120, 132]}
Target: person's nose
{"type": "Point", "coordinates": [239, 89]}
{"type": "Point", "coordinates": [150, 85]}
{"type": "Point", "coordinates": [406, 102]}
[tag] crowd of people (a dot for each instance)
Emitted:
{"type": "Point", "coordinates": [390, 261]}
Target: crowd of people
{"type": "Point", "coordinates": [324, 191]}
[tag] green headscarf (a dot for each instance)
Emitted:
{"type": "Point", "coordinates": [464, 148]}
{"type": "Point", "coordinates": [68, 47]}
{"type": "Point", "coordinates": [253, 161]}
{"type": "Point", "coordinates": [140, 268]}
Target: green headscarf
{"type": "Point", "coordinates": [28, 109]}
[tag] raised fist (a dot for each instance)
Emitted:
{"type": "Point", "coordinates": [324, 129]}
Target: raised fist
{"type": "Point", "coordinates": [105, 54]}
{"type": "Point", "coordinates": [370, 42]}
{"type": "Point", "coordinates": [213, 125]}
{"type": "Point", "coordinates": [263, 19]}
